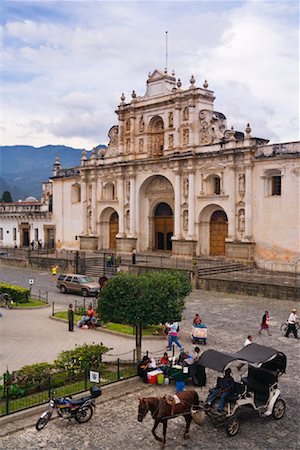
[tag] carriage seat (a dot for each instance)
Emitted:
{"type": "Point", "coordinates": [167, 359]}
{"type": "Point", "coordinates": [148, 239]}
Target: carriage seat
{"type": "Point", "coordinates": [238, 390]}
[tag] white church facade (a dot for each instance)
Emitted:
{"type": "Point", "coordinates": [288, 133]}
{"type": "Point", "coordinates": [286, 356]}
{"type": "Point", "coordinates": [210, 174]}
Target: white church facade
{"type": "Point", "coordinates": [176, 179]}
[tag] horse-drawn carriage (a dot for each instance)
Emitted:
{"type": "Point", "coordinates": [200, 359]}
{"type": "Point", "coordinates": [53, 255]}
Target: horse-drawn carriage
{"type": "Point", "coordinates": [259, 389]}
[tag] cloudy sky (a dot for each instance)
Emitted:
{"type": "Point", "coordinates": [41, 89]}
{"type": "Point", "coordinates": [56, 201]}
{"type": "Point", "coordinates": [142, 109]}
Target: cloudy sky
{"type": "Point", "coordinates": [64, 64]}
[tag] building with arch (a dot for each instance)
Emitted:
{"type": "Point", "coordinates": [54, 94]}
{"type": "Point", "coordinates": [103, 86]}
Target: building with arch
{"type": "Point", "coordinates": [174, 178]}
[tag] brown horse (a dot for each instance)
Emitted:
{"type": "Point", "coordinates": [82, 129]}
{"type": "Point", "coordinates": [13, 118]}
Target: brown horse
{"type": "Point", "coordinates": [163, 408]}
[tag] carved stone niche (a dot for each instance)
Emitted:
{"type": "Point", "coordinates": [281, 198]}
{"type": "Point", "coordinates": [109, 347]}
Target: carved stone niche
{"type": "Point", "coordinates": [159, 186]}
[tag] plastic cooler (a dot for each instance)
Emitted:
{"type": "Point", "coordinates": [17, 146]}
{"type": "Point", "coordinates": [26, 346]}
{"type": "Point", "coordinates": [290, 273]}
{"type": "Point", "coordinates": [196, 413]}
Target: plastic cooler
{"type": "Point", "coordinates": [152, 376]}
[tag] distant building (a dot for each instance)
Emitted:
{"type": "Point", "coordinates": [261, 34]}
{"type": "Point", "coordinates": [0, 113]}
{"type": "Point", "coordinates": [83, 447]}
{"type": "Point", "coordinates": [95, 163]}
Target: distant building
{"type": "Point", "coordinates": [28, 223]}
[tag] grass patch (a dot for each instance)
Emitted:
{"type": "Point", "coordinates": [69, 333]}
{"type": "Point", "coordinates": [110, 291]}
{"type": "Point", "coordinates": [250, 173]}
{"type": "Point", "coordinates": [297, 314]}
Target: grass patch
{"type": "Point", "coordinates": [149, 330]}
{"type": "Point", "coordinates": [64, 315]}
{"type": "Point", "coordinates": [30, 304]}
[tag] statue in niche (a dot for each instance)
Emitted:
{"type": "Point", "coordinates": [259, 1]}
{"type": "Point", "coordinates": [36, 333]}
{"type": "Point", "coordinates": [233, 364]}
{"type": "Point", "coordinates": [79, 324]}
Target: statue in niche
{"type": "Point", "coordinates": [89, 222]}
{"type": "Point", "coordinates": [171, 140]}
{"type": "Point", "coordinates": [185, 220]}
{"type": "Point", "coordinates": [185, 187]}
{"type": "Point", "coordinates": [141, 125]}
{"type": "Point", "coordinates": [186, 136]}
{"type": "Point", "coordinates": [127, 125]}
{"type": "Point", "coordinates": [141, 145]}
{"type": "Point", "coordinates": [128, 145]}
{"type": "Point", "coordinates": [241, 220]}
{"type": "Point", "coordinates": [242, 184]}
{"type": "Point", "coordinates": [186, 113]}
{"type": "Point", "coordinates": [170, 116]}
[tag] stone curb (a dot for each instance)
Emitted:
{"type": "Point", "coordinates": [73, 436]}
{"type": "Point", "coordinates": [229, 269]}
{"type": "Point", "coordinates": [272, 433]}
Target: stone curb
{"type": "Point", "coordinates": [31, 308]}
{"type": "Point", "coordinates": [16, 421]}
{"type": "Point", "coordinates": [115, 333]}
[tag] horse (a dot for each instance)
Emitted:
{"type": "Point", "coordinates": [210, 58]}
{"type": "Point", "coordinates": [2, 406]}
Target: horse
{"type": "Point", "coordinates": [164, 408]}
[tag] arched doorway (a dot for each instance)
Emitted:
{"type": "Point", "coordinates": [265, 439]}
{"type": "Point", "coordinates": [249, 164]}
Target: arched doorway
{"type": "Point", "coordinates": [218, 233]}
{"type": "Point", "coordinates": [113, 230]}
{"type": "Point", "coordinates": [164, 227]}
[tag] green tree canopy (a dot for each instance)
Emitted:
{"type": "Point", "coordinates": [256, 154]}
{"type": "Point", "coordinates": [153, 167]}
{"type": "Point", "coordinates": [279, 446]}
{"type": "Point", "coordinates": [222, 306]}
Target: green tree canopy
{"type": "Point", "coordinates": [6, 197]}
{"type": "Point", "coordinates": [155, 297]}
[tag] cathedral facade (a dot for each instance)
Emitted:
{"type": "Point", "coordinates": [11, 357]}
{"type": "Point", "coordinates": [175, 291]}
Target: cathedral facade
{"type": "Point", "coordinates": [175, 178]}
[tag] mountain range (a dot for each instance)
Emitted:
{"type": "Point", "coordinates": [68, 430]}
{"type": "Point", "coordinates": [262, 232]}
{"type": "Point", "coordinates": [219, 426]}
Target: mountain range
{"type": "Point", "coordinates": [23, 168]}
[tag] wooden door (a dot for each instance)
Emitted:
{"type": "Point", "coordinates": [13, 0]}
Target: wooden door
{"type": "Point", "coordinates": [218, 233]}
{"type": "Point", "coordinates": [113, 230]}
{"type": "Point", "coordinates": [163, 233]}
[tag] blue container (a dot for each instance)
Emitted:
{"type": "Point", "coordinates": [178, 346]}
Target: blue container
{"type": "Point", "coordinates": [180, 386]}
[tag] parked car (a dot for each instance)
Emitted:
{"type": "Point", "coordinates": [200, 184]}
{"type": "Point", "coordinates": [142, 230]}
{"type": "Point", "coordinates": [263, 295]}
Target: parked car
{"type": "Point", "coordinates": [78, 284]}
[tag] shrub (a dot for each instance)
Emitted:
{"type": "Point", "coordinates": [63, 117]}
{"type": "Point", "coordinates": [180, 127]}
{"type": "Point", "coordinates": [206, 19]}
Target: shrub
{"type": "Point", "coordinates": [80, 357]}
{"type": "Point", "coordinates": [18, 294]}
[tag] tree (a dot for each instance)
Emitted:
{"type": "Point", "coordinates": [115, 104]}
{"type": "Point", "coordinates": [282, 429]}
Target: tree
{"type": "Point", "coordinates": [148, 299]}
{"type": "Point", "coordinates": [6, 197]}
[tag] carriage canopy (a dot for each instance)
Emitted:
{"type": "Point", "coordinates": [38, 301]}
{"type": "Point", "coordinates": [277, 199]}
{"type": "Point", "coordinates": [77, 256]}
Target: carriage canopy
{"type": "Point", "coordinates": [254, 354]}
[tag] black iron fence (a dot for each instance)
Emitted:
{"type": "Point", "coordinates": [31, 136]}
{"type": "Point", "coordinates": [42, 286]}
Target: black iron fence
{"type": "Point", "coordinates": [17, 393]}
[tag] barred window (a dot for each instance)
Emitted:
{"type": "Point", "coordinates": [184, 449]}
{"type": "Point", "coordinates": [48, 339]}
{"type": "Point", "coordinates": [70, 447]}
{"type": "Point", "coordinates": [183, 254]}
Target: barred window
{"type": "Point", "coordinates": [276, 185]}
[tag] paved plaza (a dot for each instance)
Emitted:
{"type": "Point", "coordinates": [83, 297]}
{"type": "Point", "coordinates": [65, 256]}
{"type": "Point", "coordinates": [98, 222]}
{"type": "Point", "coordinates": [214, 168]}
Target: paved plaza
{"type": "Point", "coordinates": [229, 319]}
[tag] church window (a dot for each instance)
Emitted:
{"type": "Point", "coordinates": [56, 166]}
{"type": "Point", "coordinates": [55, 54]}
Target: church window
{"type": "Point", "coordinates": [273, 182]}
{"type": "Point", "coordinates": [1, 234]}
{"type": "Point", "coordinates": [276, 185]}
{"type": "Point", "coordinates": [14, 234]}
{"type": "Point", "coordinates": [36, 234]}
{"type": "Point", "coordinates": [217, 185]}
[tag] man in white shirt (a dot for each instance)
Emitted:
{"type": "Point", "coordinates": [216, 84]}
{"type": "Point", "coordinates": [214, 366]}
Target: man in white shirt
{"type": "Point", "coordinates": [293, 318]}
{"type": "Point", "coordinates": [248, 341]}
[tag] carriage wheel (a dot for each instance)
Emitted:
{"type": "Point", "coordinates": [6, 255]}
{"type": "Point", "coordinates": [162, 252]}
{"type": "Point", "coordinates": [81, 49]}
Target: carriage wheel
{"type": "Point", "coordinates": [232, 426]}
{"type": "Point", "coordinates": [278, 409]}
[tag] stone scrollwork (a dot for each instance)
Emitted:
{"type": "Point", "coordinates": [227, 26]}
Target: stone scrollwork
{"type": "Point", "coordinates": [113, 136]}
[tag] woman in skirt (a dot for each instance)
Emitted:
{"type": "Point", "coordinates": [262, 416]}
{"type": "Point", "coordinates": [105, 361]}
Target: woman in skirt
{"type": "Point", "coordinates": [265, 323]}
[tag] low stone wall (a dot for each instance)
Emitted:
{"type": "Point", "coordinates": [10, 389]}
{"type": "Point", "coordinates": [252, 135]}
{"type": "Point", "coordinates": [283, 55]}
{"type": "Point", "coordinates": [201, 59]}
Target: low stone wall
{"type": "Point", "coordinates": [246, 287]}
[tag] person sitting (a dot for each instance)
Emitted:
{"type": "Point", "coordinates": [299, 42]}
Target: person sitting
{"type": "Point", "coordinates": [164, 363]}
{"type": "Point", "coordinates": [144, 367]}
{"type": "Point", "coordinates": [197, 320]}
{"type": "Point", "coordinates": [224, 389]}
{"type": "Point", "coordinates": [91, 317]}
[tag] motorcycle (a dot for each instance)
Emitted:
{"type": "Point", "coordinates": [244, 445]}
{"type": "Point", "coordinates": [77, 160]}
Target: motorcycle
{"type": "Point", "coordinates": [81, 410]}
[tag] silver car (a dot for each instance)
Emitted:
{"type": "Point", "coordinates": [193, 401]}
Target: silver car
{"type": "Point", "coordinates": [77, 284]}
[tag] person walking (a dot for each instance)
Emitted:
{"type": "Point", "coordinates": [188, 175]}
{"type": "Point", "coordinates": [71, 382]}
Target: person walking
{"type": "Point", "coordinates": [265, 323]}
{"type": "Point", "coordinates": [248, 341]}
{"type": "Point", "coordinates": [173, 328]}
{"type": "Point", "coordinates": [293, 318]}
{"type": "Point", "coordinates": [71, 317]}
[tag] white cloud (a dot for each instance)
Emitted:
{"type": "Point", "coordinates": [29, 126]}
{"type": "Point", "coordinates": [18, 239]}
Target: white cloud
{"type": "Point", "coordinates": [67, 70]}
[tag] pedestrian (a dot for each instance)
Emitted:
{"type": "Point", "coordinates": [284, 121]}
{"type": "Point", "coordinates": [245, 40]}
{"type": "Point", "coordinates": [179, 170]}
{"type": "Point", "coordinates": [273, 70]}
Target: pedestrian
{"type": "Point", "coordinates": [133, 256]}
{"type": "Point", "coordinates": [173, 328]}
{"type": "Point", "coordinates": [54, 271]}
{"type": "Point", "coordinates": [265, 323]}
{"type": "Point", "coordinates": [248, 341]}
{"type": "Point", "coordinates": [293, 318]}
{"type": "Point", "coordinates": [71, 317]}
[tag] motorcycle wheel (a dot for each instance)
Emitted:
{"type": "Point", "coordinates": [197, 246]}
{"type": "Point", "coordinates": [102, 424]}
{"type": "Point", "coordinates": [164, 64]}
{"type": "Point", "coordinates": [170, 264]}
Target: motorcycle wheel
{"type": "Point", "coordinates": [84, 414]}
{"type": "Point", "coordinates": [42, 422]}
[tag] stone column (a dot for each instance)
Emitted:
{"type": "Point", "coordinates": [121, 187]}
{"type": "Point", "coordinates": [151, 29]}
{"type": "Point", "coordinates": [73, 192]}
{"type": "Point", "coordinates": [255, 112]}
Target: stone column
{"type": "Point", "coordinates": [191, 203]}
{"type": "Point", "coordinates": [248, 203]}
{"type": "Point", "coordinates": [177, 206]}
{"type": "Point", "coordinates": [121, 206]}
{"type": "Point", "coordinates": [132, 206]}
{"type": "Point", "coordinates": [84, 205]}
{"type": "Point", "coordinates": [232, 193]}
{"type": "Point", "coordinates": [94, 205]}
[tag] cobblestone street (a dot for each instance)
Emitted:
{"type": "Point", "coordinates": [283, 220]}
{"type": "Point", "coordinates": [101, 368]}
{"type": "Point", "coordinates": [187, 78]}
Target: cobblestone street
{"type": "Point", "coordinates": [229, 319]}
